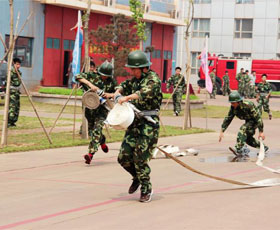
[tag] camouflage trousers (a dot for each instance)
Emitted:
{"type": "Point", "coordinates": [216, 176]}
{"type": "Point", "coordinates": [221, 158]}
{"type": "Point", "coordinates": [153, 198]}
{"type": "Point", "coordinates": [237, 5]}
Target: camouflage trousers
{"type": "Point", "coordinates": [14, 107]}
{"type": "Point", "coordinates": [226, 89]}
{"type": "Point", "coordinates": [95, 126]}
{"type": "Point", "coordinates": [246, 135]}
{"type": "Point", "coordinates": [136, 150]}
{"type": "Point", "coordinates": [177, 98]}
{"type": "Point", "coordinates": [241, 89]}
{"type": "Point", "coordinates": [214, 92]}
{"type": "Point", "coordinates": [263, 103]}
{"type": "Point", "coordinates": [252, 92]}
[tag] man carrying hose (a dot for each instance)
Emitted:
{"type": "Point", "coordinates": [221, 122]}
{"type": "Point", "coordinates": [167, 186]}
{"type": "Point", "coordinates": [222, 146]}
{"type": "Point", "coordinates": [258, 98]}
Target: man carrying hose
{"type": "Point", "coordinates": [144, 92]}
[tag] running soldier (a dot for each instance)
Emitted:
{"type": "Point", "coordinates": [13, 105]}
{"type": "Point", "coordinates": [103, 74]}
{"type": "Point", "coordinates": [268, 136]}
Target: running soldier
{"type": "Point", "coordinates": [239, 78]}
{"type": "Point", "coordinates": [144, 92]}
{"type": "Point", "coordinates": [263, 94]}
{"type": "Point", "coordinates": [99, 82]}
{"type": "Point", "coordinates": [213, 79]}
{"type": "Point", "coordinates": [14, 104]}
{"type": "Point", "coordinates": [181, 88]}
{"type": "Point", "coordinates": [244, 110]}
{"type": "Point", "coordinates": [226, 88]}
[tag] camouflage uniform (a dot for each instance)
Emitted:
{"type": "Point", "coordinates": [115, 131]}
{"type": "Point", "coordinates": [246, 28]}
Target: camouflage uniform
{"type": "Point", "coordinates": [177, 96]}
{"type": "Point", "coordinates": [213, 79]}
{"type": "Point", "coordinates": [226, 88]}
{"type": "Point", "coordinates": [263, 90]}
{"type": "Point", "coordinates": [141, 136]}
{"type": "Point", "coordinates": [239, 79]}
{"type": "Point", "coordinates": [14, 105]}
{"type": "Point", "coordinates": [96, 117]}
{"type": "Point", "coordinates": [249, 112]}
{"type": "Point", "coordinates": [246, 83]}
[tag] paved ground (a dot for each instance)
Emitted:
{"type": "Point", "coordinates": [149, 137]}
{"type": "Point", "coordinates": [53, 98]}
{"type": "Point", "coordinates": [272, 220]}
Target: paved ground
{"type": "Point", "coordinates": [54, 189]}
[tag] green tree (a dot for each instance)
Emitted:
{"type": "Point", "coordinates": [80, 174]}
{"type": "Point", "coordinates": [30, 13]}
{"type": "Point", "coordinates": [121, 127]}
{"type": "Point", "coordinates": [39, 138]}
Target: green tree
{"type": "Point", "coordinates": [116, 40]}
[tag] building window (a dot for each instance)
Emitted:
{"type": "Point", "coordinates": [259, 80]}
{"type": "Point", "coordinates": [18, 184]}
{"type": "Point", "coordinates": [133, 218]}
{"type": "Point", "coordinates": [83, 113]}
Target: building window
{"type": "Point", "coordinates": [167, 54]}
{"type": "Point", "coordinates": [195, 62]}
{"type": "Point", "coordinates": [68, 44]}
{"type": "Point", "coordinates": [243, 28]}
{"type": "Point", "coordinates": [245, 1]}
{"type": "Point", "coordinates": [202, 1]}
{"type": "Point", "coordinates": [156, 54]}
{"type": "Point", "coordinates": [201, 28]}
{"type": "Point", "coordinates": [53, 43]}
{"type": "Point", "coordinates": [242, 55]}
{"type": "Point", "coordinates": [23, 50]}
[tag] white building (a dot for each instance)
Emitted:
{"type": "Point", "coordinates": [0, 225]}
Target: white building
{"type": "Point", "coordinates": [241, 28]}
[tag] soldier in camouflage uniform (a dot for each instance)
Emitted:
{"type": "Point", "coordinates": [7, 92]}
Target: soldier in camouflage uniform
{"type": "Point", "coordinates": [213, 79]}
{"type": "Point", "coordinates": [226, 88]}
{"type": "Point", "coordinates": [244, 110]}
{"type": "Point", "coordinates": [239, 79]}
{"type": "Point", "coordinates": [177, 95]}
{"type": "Point", "coordinates": [14, 105]}
{"type": "Point", "coordinates": [100, 81]}
{"type": "Point", "coordinates": [263, 93]}
{"type": "Point", "coordinates": [246, 83]}
{"type": "Point", "coordinates": [144, 91]}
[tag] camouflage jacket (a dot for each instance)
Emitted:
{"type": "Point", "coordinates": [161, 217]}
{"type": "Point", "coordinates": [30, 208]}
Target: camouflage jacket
{"type": "Point", "coordinates": [213, 77]}
{"type": "Point", "coordinates": [246, 79]}
{"type": "Point", "coordinates": [226, 79]}
{"type": "Point", "coordinates": [15, 81]}
{"type": "Point", "coordinates": [174, 80]}
{"type": "Point", "coordinates": [107, 85]}
{"type": "Point", "coordinates": [239, 77]}
{"type": "Point", "coordinates": [148, 88]}
{"type": "Point", "coordinates": [245, 111]}
{"type": "Point", "coordinates": [264, 88]}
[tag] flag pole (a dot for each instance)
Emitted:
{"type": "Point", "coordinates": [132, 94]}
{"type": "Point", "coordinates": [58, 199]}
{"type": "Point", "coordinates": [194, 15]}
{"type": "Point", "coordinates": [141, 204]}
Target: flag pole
{"type": "Point", "coordinates": [206, 45]}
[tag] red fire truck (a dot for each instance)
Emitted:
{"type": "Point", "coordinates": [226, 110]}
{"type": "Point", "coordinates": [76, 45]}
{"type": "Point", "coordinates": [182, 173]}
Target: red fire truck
{"type": "Point", "coordinates": [233, 66]}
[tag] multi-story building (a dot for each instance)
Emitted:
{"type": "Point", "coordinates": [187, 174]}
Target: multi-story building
{"type": "Point", "coordinates": [236, 28]}
{"type": "Point", "coordinates": [46, 43]}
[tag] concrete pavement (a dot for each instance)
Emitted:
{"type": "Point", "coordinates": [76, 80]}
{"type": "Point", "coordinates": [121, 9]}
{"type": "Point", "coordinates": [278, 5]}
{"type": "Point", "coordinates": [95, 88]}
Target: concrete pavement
{"type": "Point", "coordinates": [54, 190]}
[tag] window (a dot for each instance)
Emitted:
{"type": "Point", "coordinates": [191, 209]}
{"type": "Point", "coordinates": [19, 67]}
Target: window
{"type": "Point", "coordinates": [53, 43]}
{"type": "Point", "coordinates": [244, 1]}
{"type": "Point", "coordinates": [156, 54]}
{"type": "Point", "coordinates": [23, 49]}
{"type": "Point", "coordinates": [242, 55]}
{"type": "Point", "coordinates": [195, 62]}
{"type": "Point", "coordinates": [201, 28]}
{"type": "Point", "coordinates": [167, 54]}
{"type": "Point", "coordinates": [243, 28]}
{"type": "Point", "coordinates": [230, 65]}
{"type": "Point", "coordinates": [68, 44]}
{"type": "Point", "coordinates": [202, 1]}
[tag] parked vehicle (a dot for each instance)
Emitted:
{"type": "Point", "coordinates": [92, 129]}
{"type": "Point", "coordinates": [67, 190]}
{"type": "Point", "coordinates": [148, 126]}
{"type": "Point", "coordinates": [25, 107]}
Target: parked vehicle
{"type": "Point", "coordinates": [3, 77]}
{"type": "Point", "coordinates": [233, 66]}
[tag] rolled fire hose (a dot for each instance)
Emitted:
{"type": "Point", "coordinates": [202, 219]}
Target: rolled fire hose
{"type": "Point", "coordinates": [261, 183]}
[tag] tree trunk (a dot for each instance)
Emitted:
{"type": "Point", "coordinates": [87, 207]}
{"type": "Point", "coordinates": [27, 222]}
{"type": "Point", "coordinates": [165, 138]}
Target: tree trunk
{"type": "Point", "coordinates": [10, 62]}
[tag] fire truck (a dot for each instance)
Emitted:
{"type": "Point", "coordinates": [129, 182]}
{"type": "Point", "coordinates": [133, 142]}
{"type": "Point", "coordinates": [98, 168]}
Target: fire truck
{"type": "Point", "coordinates": [233, 65]}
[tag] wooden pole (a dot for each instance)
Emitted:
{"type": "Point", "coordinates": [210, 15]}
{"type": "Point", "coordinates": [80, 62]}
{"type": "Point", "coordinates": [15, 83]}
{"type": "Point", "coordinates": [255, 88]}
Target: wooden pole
{"type": "Point", "coordinates": [75, 102]}
{"type": "Point", "coordinates": [10, 60]}
{"type": "Point", "coordinates": [63, 108]}
{"type": "Point", "coordinates": [87, 16]}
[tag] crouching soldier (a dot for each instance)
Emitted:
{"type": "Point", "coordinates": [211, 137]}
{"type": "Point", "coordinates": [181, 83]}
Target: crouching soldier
{"type": "Point", "coordinates": [99, 81]}
{"type": "Point", "coordinates": [244, 110]}
{"type": "Point", "coordinates": [263, 94]}
{"type": "Point", "coordinates": [144, 92]}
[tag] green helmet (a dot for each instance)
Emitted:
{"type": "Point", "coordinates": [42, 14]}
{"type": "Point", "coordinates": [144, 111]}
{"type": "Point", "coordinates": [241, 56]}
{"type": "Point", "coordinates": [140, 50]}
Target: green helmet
{"type": "Point", "coordinates": [234, 97]}
{"type": "Point", "coordinates": [137, 59]}
{"type": "Point", "coordinates": [105, 69]}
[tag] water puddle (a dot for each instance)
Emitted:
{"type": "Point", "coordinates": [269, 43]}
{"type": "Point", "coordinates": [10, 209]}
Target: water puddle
{"type": "Point", "coordinates": [224, 159]}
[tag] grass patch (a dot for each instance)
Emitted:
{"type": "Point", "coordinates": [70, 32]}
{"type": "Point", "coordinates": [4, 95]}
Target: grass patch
{"type": "Point", "coordinates": [192, 97]}
{"type": "Point", "coordinates": [38, 141]}
{"type": "Point", "coordinates": [59, 91]}
{"type": "Point", "coordinates": [214, 111]}
{"type": "Point", "coordinates": [275, 93]}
